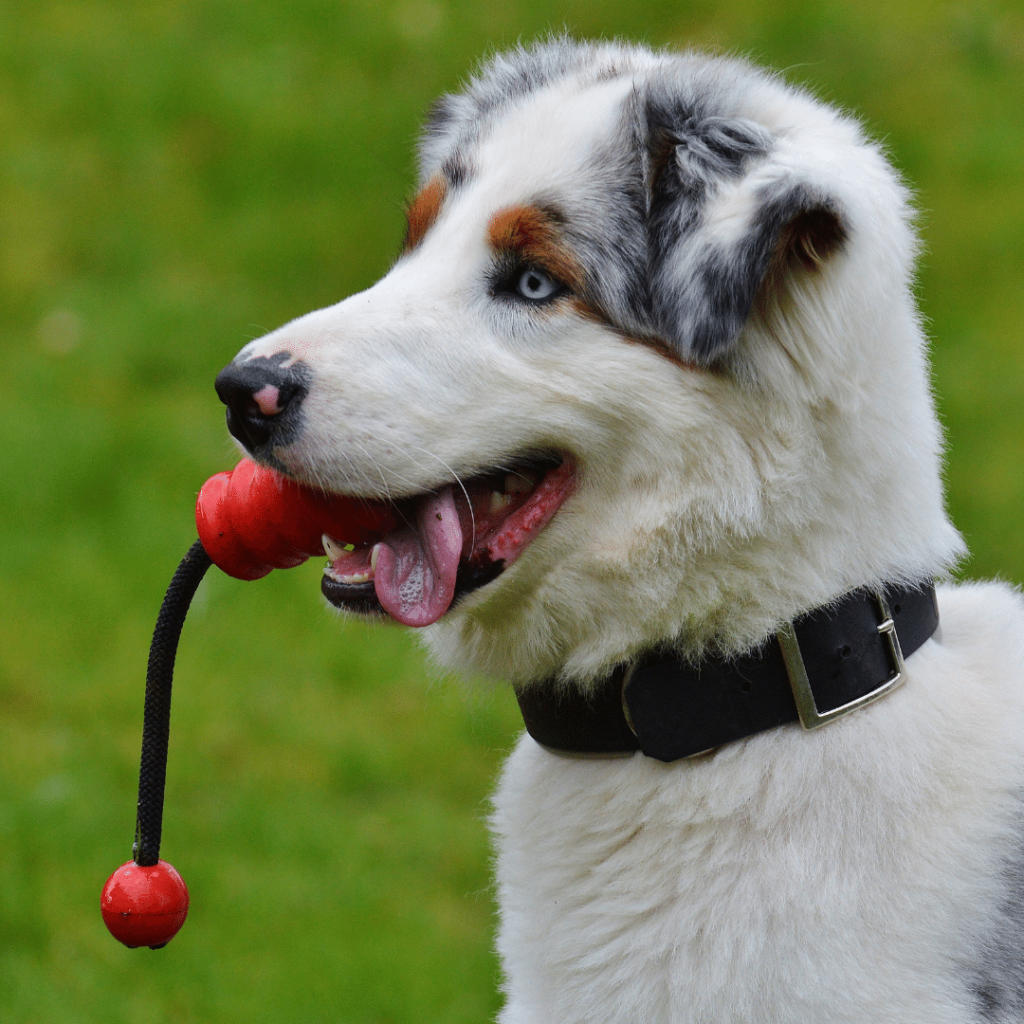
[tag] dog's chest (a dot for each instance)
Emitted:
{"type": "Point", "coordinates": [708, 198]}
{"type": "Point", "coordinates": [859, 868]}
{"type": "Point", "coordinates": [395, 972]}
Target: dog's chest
{"type": "Point", "coordinates": [795, 877]}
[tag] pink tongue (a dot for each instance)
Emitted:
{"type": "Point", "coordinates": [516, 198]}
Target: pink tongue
{"type": "Point", "coordinates": [416, 564]}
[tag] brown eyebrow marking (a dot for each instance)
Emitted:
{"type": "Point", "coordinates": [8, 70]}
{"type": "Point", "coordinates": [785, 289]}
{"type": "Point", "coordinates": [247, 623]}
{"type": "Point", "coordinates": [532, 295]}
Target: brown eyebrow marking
{"type": "Point", "coordinates": [587, 311]}
{"type": "Point", "coordinates": [666, 351]}
{"type": "Point", "coordinates": [423, 211]}
{"type": "Point", "coordinates": [533, 235]}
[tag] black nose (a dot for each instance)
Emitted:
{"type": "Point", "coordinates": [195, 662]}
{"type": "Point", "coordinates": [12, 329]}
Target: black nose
{"type": "Point", "coordinates": [264, 399]}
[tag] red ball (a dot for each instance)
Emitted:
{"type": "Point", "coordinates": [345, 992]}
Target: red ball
{"type": "Point", "coordinates": [144, 906]}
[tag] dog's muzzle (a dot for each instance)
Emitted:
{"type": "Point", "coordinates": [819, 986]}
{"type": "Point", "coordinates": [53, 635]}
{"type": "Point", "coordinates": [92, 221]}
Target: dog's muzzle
{"type": "Point", "coordinates": [264, 400]}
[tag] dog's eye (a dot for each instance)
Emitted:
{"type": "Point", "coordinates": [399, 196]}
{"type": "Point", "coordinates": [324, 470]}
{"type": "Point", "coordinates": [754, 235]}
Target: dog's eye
{"type": "Point", "coordinates": [535, 285]}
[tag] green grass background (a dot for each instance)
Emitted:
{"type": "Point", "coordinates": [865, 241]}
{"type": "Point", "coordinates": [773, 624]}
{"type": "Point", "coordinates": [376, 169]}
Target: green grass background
{"type": "Point", "coordinates": [177, 177]}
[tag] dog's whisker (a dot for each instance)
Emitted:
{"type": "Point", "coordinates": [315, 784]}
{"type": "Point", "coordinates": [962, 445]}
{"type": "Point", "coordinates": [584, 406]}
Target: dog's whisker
{"type": "Point", "coordinates": [455, 476]}
{"type": "Point", "coordinates": [379, 470]}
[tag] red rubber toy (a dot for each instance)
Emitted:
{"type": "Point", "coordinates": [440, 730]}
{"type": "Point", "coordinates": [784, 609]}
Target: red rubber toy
{"type": "Point", "coordinates": [144, 906]}
{"type": "Point", "coordinates": [251, 520]}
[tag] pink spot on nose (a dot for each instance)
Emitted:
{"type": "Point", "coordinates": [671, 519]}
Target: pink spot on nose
{"type": "Point", "coordinates": [267, 400]}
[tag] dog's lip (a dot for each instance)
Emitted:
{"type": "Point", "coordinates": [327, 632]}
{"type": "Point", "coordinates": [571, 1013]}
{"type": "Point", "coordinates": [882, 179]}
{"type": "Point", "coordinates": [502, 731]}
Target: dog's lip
{"type": "Point", "coordinates": [500, 513]}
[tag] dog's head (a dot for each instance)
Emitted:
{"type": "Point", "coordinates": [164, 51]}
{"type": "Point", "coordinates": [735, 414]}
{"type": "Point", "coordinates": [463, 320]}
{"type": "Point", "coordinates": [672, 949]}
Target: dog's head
{"type": "Point", "coordinates": [646, 369]}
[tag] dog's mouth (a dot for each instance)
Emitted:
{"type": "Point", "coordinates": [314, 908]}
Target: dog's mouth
{"type": "Point", "coordinates": [448, 542]}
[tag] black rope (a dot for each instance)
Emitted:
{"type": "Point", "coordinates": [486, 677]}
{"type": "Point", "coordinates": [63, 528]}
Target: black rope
{"type": "Point", "coordinates": [156, 721]}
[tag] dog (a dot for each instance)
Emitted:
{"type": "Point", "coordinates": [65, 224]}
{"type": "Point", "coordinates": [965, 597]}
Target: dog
{"type": "Point", "coordinates": [647, 394]}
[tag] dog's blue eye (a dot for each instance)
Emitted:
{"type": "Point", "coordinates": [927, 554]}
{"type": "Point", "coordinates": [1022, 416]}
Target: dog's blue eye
{"type": "Point", "coordinates": [535, 285]}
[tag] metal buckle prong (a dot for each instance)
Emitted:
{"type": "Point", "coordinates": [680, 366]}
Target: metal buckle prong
{"type": "Point", "coordinates": [810, 716]}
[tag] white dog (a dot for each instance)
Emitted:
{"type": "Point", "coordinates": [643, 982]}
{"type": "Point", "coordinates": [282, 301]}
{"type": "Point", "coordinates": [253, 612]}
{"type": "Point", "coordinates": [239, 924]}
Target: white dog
{"type": "Point", "coordinates": [645, 388]}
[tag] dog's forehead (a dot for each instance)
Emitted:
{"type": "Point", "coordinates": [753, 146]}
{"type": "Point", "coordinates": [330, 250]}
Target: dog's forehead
{"type": "Point", "coordinates": [550, 139]}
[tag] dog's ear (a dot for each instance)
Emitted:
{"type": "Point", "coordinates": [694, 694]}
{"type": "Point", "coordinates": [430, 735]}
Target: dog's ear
{"type": "Point", "coordinates": [727, 226]}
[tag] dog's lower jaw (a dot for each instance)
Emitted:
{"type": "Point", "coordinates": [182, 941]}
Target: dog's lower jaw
{"type": "Point", "coordinates": [443, 543]}
{"type": "Point", "coordinates": [850, 874]}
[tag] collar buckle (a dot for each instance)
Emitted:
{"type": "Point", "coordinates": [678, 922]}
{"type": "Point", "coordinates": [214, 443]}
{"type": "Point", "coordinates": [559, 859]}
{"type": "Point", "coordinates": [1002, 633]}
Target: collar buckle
{"type": "Point", "coordinates": [810, 716]}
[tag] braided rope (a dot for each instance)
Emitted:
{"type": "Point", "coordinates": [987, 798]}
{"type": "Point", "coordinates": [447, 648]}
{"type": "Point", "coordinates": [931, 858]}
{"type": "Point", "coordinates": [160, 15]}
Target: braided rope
{"type": "Point", "coordinates": [156, 721]}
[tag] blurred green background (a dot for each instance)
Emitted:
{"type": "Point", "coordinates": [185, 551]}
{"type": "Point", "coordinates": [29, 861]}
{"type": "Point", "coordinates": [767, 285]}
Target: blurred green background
{"type": "Point", "coordinates": [179, 176]}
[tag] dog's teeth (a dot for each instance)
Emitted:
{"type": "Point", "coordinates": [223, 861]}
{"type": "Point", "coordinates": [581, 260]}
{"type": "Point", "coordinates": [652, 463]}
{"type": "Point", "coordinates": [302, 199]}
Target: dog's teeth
{"type": "Point", "coordinates": [359, 577]}
{"type": "Point", "coordinates": [332, 548]}
{"type": "Point", "coordinates": [520, 483]}
{"type": "Point", "coordinates": [373, 558]}
{"type": "Point", "coordinates": [499, 501]}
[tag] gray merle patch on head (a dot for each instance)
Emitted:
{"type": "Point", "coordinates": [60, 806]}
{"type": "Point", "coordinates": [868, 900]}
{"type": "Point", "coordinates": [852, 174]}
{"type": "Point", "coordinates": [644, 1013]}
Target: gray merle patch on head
{"type": "Point", "coordinates": [456, 171]}
{"type": "Point", "coordinates": [603, 223]}
{"type": "Point", "coordinates": [703, 289]}
{"type": "Point", "coordinates": [509, 77]}
{"type": "Point", "coordinates": [654, 268]}
{"type": "Point", "coordinates": [719, 147]}
{"type": "Point", "coordinates": [701, 294]}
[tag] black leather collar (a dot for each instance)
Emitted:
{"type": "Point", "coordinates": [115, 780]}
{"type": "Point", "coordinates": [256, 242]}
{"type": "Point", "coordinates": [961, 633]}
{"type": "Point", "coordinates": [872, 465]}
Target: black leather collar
{"type": "Point", "coordinates": [829, 662]}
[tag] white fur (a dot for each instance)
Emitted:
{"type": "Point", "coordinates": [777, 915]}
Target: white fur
{"type": "Point", "coordinates": [852, 874]}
